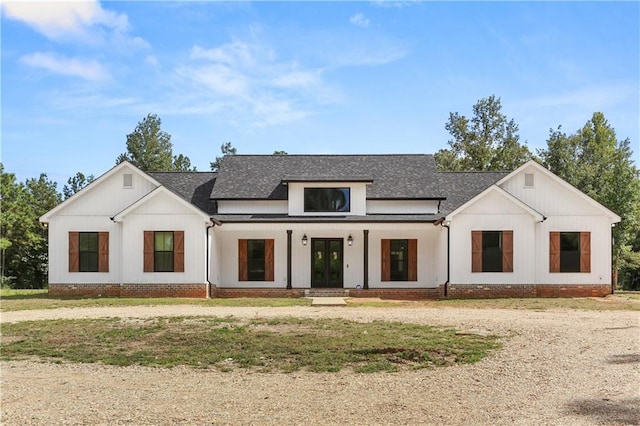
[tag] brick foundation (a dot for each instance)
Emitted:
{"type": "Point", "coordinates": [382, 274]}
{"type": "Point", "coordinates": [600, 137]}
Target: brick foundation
{"type": "Point", "coordinates": [256, 292]}
{"type": "Point", "coordinates": [486, 291]}
{"type": "Point", "coordinates": [129, 290]}
{"type": "Point", "coordinates": [454, 291]}
{"type": "Point", "coordinates": [400, 293]}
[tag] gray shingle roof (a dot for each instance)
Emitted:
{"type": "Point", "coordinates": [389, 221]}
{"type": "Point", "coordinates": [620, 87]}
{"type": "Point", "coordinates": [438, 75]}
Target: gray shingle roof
{"type": "Point", "coordinates": [463, 186]}
{"type": "Point", "coordinates": [394, 176]}
{"type": "Point", "coordinates": [195, 187]}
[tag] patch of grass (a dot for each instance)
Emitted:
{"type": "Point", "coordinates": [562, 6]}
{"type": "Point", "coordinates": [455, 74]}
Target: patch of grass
{"type": "Point", "coordinates": [275, 344]}
{"type": "Point", "coordinates": [18, 300]}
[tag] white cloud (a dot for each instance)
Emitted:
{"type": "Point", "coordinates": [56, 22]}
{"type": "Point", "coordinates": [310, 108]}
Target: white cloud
{"type": "Point", "coordinates": [591, 97]}
{"type": "Point", "coordinates": [298, 79]}
{"type": "Point", "coordinates": [58, 20]}
{"type": "Point", "coordinates": [216, 77]}
{"type": "Point", "coordinates": [359, 20]}
{"type": "Point", "coordinates": [151, 60]}
{"type": "Point", "coordinates": [88, 70]}
{"type": "Point", "coordinates": [395, 4]}
{"type": "Point", "coordinates": [236, 53]}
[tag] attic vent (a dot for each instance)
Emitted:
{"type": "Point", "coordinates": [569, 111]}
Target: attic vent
{"type": "Point", "coordinates": [127, 180]}
{"type": "Point", "coordinates": [528, 180]}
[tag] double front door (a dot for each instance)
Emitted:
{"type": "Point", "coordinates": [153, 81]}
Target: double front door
{"type": "Point", "coordinates": [326, 262]}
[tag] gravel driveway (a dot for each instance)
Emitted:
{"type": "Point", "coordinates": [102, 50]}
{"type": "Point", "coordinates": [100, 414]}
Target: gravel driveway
{"type": "Point", "coordinates": [556, 368]}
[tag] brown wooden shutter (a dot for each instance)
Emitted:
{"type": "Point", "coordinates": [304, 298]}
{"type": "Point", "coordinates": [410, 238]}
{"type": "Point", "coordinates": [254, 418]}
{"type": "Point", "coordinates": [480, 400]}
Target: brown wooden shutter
{"type": "Point", "coordinates": [554, 252]}
{"type": "Point", "coordinates": [476, 251]}
{"type": "Point", "coordinates": [268, 260]}
{"type": "Point", "coordinates": [386, 260]}
{"type": "Point", "coordinates": [74, 251]}
{"type": "Point", "coordinates": [507, 251]}
{"type": "Point", "coordinates": [149, 246]}
{"type": "Point", "coordinates": [103, 252]}
{"type": "Point", "coordinates": [243, 265]}
{"type": "Point", "coordinates": [413, 260]}
{"type": "Point", "coordinates": [585, 252]}
{"type": "Point", "coordinates": [178, 251]}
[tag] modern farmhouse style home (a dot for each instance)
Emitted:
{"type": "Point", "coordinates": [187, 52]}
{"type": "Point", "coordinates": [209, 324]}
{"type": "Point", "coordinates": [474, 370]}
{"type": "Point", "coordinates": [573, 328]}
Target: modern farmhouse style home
{"type": "Point", "coordinates": [358, 225]}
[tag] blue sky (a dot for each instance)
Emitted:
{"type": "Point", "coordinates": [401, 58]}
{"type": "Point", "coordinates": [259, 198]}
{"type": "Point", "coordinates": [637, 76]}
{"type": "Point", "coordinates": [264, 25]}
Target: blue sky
{"type": "Point", "coordinates": [304, 77]}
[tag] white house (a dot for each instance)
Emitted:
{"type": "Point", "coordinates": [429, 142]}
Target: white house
{"type": "Point", "coordinates": [358, 225]}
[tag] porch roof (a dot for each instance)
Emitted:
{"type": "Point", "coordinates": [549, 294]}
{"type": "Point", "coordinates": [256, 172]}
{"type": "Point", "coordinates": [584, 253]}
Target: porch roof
{"type": "Point", "coordinates": [283, 218]}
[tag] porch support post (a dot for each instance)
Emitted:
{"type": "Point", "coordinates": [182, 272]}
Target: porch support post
{"type": "Point", "coordinates": [365, 279]}
{"type": "Point", "coordinates": [289, 232]}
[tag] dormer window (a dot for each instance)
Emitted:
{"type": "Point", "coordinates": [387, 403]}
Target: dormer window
{"type": "Point", "coordinates": [327, 200]}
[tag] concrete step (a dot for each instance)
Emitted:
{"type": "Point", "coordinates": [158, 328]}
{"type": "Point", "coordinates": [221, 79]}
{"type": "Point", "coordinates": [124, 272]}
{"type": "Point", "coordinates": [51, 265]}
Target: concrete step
{"type": "Point", "coordinates": [328, 301]}
{"type": "Point", "coordinates": [326, 292]}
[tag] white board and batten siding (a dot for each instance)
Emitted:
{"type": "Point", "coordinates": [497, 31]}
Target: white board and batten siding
{"type": "Point", "coordinates": [402, 206]}
{"type": "Point", "coordinates": [566, 210]}
{"type": "Point", "coordinates": [59, 228]}
{"type": "Point", "coordinates": [431, 249]}
{"type": "Point", "coordinates": [163, 213]}
{"type": "Point", "coordinates": [90, 211]}
{"type": "Point", "coordinates": [493, 213]}
{"type": "Point", "coordinates": [253, 207]}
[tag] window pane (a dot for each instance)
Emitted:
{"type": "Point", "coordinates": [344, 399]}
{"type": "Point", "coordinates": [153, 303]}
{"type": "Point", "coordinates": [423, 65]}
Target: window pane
{"type": "Point", "coordinates": [88, 251]}
{"type": "Point", "coordinates": [88, 241]}
{"type": "Point", "coordinates": [492, 251]}
{"type": "Point", "coordinates": [569, 252]}
{"type": "Point", "coordinates": [163, 261]}
{"type": "Point", "coordinates": [163, 254]}
{"type": "Point", "coordinates": [255, 260]}
{"type": "Point", "coordinates": [164, 241]}
{"type": "Point", "coordinates": [327, 200]}
{"type": "Point", "coordinates": [399, 260]}
{"type": "Point", "coordinates": [88, 262]}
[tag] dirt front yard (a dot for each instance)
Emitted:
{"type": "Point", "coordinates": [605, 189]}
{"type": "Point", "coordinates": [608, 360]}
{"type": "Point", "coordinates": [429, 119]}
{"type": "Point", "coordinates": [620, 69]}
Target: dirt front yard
{"type": "Point", "coordinates": [556, 367]}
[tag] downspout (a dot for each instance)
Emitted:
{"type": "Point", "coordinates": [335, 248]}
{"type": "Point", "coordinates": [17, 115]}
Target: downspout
{"type": "Point", "coordinates": [446, 284]}
{"type": "Point", "coordinates": [289, 232]}
{"type": "Point", "coordinates": [209, 283]}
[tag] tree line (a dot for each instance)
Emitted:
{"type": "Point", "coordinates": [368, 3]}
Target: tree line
{"type": "Point", "coordinates": [592, 159]}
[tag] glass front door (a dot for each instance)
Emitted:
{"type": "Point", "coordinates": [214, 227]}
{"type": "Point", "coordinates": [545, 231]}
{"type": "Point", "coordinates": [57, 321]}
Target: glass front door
{"type": "Point", "coordinates": [326, 262]}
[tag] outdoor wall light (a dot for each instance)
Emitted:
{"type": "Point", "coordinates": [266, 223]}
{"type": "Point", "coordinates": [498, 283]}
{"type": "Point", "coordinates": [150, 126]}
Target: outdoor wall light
{"type": "Point", "coordinates": [304, 240]}
{"type": "Point", "coordinates": [350, 240]}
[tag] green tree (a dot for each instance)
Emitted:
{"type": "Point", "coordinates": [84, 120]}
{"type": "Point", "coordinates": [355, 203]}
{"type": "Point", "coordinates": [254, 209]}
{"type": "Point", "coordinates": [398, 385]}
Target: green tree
{"type": "Point", "coordinates": [597, 163]}
{"type": "Point", "coordinates": [226, 149]}
{"type": "Point", "coordinates": [280, 153]}
{"type": "Point", "coordinates": [150, 149]}
{"type": "Point", "coordinates": [487, 141]}
{"type": "Point", "coordinates": [76, 183]}
{"type": "Point", "coordinates": [24, 240]}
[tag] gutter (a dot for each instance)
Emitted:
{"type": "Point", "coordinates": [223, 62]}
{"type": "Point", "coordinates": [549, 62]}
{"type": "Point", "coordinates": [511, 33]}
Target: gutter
{"type": "Point", "coordinates": [209, 283]}
{"type": "Point", "coordinates": [446, 284]}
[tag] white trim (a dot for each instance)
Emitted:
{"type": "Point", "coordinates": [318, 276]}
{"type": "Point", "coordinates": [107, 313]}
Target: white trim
{"type": "Point", "coordinates": [494, 188]}
{"type": "Point", "coordinates": [532, 163]}
{"type": "Point", "coordinates": [45, 218]}
{"type": "Point", "coordinates": [118, 217]}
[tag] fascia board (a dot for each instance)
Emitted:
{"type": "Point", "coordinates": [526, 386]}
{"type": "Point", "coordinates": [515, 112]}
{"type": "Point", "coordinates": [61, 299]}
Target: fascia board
{"type": "Point", "coordinates": [509, 197]}
{"type": "Point", "coordinates": [45, 218]}
{"type": "Point", "coordinates": [159, 190]}
{"type": "Point", "coordinates": [540, 168]}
